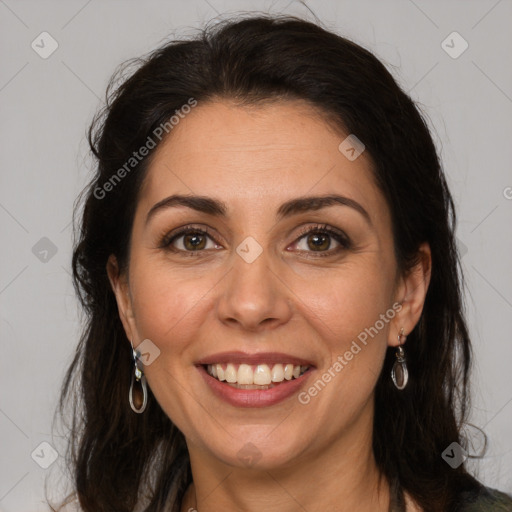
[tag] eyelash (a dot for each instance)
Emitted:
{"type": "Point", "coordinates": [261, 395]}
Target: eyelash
{"type": "Point", "coordinates": [339, 236]}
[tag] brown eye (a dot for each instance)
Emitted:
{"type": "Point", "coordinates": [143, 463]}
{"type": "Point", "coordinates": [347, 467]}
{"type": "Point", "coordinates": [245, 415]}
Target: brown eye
{"type": "Point", "coordinates": [193, 242]}
{"type": "Point", "coordinates": [189, 240]}
{"type": "Point", "coordinates": [318, 241]}
{"type": "Point", "coordinates": [322, 240]}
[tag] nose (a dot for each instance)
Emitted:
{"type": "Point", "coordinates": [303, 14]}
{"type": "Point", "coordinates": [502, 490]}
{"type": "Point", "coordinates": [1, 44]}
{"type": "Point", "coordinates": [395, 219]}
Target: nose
{"type": "Point", "coordinates": [253, 297]}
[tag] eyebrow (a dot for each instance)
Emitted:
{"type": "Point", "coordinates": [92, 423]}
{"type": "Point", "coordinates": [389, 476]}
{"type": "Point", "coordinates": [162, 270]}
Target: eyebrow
{"type": "Point", "coordinates": [218, 208]}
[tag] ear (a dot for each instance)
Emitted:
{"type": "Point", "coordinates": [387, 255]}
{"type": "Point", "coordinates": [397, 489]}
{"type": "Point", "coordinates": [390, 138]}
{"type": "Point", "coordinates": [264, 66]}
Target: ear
{"type": "Point", "coordinates": [121, 289]}
{"type": "Point", "coordinates": [411, 293]}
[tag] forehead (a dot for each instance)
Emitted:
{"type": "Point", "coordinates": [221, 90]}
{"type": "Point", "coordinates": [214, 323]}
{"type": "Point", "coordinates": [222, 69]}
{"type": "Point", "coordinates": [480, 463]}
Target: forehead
{"type": "Point", "coordinates": [263, 153]}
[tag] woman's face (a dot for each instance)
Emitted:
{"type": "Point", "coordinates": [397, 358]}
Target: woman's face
{"type": "Point", "coordinates": [275, 281]}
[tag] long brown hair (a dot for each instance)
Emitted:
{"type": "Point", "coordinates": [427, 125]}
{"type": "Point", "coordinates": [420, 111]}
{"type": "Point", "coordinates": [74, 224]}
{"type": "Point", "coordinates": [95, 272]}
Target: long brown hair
{"type": "Point", "coordinates": [120, 459]}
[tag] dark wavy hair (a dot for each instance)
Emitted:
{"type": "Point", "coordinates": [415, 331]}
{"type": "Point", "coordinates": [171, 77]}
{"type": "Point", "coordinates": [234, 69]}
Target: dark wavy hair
{"type": "Point", "coordinates": [119, 459]}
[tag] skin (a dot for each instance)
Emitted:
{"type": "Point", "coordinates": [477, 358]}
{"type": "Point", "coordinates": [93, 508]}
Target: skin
{"type": "Point", "coordinates": [289, 300]}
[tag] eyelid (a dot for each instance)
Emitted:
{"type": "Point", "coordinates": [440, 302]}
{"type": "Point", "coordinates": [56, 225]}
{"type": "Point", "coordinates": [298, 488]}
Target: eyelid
{"type": "Point", "coordinates": [168, 238]}
{"type": "Point", "coordinates": [342, 239]}
{"type": "Point", "coordinates": [322, 228]}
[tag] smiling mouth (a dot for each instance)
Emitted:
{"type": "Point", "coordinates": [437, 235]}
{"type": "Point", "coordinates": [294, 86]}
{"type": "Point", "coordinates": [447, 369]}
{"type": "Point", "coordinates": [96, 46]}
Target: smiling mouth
{"type": "Point", "coordinates": [261, 376]}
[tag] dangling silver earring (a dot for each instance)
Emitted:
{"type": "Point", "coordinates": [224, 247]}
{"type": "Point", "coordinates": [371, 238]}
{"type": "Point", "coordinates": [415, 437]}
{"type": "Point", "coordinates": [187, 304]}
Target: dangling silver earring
{"type": "Point", "coordinates": [139, 377]}
{"type": "Point", "coordinates": [399, 373]}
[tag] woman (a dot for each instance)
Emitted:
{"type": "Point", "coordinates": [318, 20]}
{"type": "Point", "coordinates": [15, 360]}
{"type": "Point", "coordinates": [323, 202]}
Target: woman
{"type": "Point", "coordinates": [266, 257]}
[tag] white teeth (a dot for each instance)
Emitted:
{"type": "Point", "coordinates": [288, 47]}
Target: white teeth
{"type": "Point", "coordinates": [258, 375]}
{"type": "Point", "coordinates": [230, 373]}
{"type": "Point", "coordinates": [219, 370]}
{"type": "Point", "coordinates": [288, 371]}
{"type": "Point", "coordinates": [244, 375]}
{"type": "Point", "coordinates": [278, 373]}
{"type": "Point", "coordinates": [262, 375]}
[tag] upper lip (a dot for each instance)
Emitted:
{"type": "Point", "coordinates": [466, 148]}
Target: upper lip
{"type": "Point", "coordinates": [257, 358]}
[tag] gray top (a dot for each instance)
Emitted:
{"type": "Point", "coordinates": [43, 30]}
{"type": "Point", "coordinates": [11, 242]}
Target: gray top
{"type": "Point", "coordinates": [487, 500]}
{"type": "Point", "coordinates": [484, 500]}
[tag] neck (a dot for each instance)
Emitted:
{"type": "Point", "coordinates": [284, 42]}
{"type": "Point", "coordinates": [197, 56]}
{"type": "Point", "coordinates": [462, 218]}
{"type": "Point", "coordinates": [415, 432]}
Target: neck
{"type": "Point", "coordinates": [342, 476]}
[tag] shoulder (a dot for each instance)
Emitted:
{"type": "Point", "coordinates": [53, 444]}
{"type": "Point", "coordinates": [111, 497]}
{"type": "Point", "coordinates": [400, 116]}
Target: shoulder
{"type": "Point", "coordinates": [70, 504]}
{"type": "Point", "coordinates": [485, 500]}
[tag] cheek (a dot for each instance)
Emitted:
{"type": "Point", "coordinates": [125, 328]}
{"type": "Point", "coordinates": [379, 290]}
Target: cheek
{"type": "Point", "coordinates": [346, 311]}
{"type": "Point", "coordinates": [170, 311]}
{"type": "Point", "coordinates": [166, 304]}
{"type": "Point", "coordinates": [342, 389]}
{"type": "Point", "coordinates": [346, 301]}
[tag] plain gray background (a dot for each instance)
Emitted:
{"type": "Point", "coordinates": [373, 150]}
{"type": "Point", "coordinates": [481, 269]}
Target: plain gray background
{"type": "Point", "coordinates": [47, 104]}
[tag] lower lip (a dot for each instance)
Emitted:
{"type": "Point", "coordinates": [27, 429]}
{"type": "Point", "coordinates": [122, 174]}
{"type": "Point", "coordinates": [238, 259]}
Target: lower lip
{"type": "Point", "coordinates": [254, 397]}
